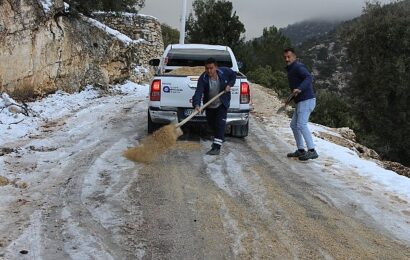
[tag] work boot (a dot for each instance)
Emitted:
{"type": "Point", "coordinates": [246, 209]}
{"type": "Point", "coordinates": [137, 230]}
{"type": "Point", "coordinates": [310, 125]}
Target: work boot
{"type": "Point", "coordinates": [214, 151]}
{"type": "Point", "coordinates": [296, 153]}
{"type": "Point", "coordinates": [311, 154]}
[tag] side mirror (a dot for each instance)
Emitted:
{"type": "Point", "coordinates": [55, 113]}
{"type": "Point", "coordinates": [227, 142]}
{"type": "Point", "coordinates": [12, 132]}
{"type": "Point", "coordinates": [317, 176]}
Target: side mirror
{"type": "Point", "coordinates": [154, 62]}
{"type": "Point", "coordinates": [240, 64]}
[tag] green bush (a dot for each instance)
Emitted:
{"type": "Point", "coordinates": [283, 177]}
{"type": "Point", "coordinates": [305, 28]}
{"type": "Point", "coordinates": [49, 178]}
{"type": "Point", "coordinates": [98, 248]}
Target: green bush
{"type": "Point", "coordinates": [378, 50]}
{"type": "Point", "coordinates": [274, 80]}
{"type": "Point", "coordinates": [332, 110]}
{"type": "Point", "coordinates": [87, 7]}
{"type": "Point", "coordinates": [169, 34]}
{"type": "Point", "coordinates": [266, 50]}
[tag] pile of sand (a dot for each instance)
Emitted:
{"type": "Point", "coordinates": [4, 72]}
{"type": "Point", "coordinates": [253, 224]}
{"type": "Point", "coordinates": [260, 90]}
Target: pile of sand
{"type": "Point", "coordinates": [154, 145]}
{"type": "Point", "coordinates": [187, 71]}
{"type": "Point", "coordinates": [4, 181]}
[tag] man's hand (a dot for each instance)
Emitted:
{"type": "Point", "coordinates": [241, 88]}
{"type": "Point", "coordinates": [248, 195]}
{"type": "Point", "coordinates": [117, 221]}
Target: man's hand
{"type": "Point", "coordinates": [296, 91]}
{"type": "Point", "coordinates": [227, 88]}
{"type": "Point", "coordinates": [197, 109]}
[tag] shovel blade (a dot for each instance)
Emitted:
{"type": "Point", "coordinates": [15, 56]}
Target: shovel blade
{"type": "Point", "coordinates": [178, 131]}
{"type": "Point", "coordinates": [281, 110]}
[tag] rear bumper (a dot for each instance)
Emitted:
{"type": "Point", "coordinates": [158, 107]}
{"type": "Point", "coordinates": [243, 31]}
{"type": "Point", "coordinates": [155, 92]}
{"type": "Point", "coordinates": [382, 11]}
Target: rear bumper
{"type": "Point", "coordinates": [162, 116]}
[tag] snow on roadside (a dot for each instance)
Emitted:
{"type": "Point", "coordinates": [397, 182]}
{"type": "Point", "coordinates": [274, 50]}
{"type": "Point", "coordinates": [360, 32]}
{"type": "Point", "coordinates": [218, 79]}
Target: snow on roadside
{"type": "Point", "coordinates": [53, 107]}
{"type": "Point", "coordinates": [47, 5]}
{"type": "Point", "coordinates": [66, 7]}
{"type": "Point", "coordinates": [85, 245]}
{"type": "Point", "coordinates": [19, 248]}
{"type": "Point", "coordinates": [342, 158]}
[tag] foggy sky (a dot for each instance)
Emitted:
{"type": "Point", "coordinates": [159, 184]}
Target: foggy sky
{"type": "Point", "coordinates": [257, 14]}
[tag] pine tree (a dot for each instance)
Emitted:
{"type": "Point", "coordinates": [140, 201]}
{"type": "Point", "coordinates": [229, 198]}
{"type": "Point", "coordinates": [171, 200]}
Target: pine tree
{"type": "Point", "coordinates": [214, 22]}
{"type": "Point", "coordinates": [266, 50]}
{"type": "Point", "coordinates": [379, 51]}
{"type": "Point", "coordinates": [169, 34]}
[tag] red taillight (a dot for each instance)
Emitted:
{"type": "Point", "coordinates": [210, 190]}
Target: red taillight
{"type": "Point", "coordinates": [155, 93]}
{"type": "Point", "coordinates": [245, 93]}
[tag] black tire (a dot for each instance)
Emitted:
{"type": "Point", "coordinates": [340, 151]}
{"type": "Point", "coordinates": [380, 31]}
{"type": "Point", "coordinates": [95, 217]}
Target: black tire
{"type": "Point", "coordinates": [240, 130]}
{"type": "Point", "coordinates": [152, 127]}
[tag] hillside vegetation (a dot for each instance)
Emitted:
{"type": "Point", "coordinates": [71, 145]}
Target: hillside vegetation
{"type": "Point", "coordinates": [362, 78]}
{"type": "Point", "coordinates": [301, 32]}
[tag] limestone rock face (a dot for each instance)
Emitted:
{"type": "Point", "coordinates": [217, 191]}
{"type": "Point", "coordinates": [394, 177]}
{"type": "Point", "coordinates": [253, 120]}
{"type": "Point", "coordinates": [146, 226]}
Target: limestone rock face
{"type": "Point", "coordinates": [43, 48]}
{"type": "Point", "coordinates": [136, 26]}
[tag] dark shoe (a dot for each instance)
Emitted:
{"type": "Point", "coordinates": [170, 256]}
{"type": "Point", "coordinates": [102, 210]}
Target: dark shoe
{"type": "Point", "coordinates": [309, 155]}
{"type": "Point", "coordinates": [297, 153]}
{"type": "Point", "coordinates": [213, 151]}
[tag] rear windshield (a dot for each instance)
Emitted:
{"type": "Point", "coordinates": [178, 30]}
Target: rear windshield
{"type": "Point", "coordinates": [197, 57]}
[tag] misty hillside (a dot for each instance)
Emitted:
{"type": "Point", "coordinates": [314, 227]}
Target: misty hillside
{"type": "Point", "coordinates": [361, 77]}
{"type": "Point", "coordinates": [300, 32]}
{"type": "Point", "coordinates": [326, 57]}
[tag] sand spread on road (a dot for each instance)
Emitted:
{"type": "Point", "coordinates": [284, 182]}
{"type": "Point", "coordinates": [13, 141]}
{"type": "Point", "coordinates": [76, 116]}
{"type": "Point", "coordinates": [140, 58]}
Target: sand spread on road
{"type": "Point", "coordinates": [154, 145]}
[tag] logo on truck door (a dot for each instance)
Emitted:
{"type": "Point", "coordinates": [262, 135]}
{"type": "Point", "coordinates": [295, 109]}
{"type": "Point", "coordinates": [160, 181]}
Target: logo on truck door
{"type": "Point", "coordinates": [172, 90]}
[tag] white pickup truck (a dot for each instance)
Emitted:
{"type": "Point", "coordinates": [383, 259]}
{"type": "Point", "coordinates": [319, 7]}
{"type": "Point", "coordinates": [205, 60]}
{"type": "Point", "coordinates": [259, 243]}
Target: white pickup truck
{"type": "Point", "coordinates": [175, 82]}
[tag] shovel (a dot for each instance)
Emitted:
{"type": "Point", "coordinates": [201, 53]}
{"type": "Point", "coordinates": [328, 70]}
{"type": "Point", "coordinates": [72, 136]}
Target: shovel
{"type": "Point", "coordinates": [287, 101]}
{"type": "Point", "coordinates": [200, 110]}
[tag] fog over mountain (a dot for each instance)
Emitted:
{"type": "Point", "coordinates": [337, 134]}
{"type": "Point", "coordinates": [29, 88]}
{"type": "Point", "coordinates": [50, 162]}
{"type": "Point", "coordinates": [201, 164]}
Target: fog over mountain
{"type": "Point", "coordinates": [258, 14]}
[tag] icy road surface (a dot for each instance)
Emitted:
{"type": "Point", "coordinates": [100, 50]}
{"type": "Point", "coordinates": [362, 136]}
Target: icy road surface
{"type": "Point", "coordinates": [73, 196]}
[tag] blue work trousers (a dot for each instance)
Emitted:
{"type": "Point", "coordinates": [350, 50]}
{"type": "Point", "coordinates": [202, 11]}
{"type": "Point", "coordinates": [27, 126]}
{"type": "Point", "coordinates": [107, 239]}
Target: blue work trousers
{"type": "Point", "coordinates": [299, 122]}
{"type": "Point", "coordinates": [216, 118]}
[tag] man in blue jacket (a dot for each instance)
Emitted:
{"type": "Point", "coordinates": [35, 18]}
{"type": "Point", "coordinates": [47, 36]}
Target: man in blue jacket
{"type": "Point", "coordinates": [213, 81]}
{"type": "Point", "coordinates": [300, 84]}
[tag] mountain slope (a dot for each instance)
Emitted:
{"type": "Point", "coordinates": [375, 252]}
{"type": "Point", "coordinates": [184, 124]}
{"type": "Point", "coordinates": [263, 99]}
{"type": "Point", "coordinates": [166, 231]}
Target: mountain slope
{"type": "Point", "coordinates": [300, 32]}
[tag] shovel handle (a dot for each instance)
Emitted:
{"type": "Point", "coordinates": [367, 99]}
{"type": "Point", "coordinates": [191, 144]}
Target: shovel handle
{"type": "Point", "coordinates": [200, 109]}
{"type": "Point", "coordinates": [287, 101]}
{"type": "Point", "coordinates": [290, 98]}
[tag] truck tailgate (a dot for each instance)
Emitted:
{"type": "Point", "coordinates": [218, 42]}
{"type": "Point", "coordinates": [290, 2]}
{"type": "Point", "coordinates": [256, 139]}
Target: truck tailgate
{"type": "Point", "coordinates": [177, 91]}
{"type": "Point", "coordinates": [235, 95]}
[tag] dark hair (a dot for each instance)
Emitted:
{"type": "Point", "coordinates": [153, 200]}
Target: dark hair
{"type": "Point", "coordinates": [289, 50]}
{"type": "Point", "coordinates": [210, 61]}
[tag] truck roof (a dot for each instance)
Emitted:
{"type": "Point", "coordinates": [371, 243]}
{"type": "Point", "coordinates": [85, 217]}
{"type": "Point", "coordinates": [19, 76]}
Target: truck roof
{"type": "Point", "coordinates": [234, 65]}
{"type": "Point", "coordinates": [198, 46]}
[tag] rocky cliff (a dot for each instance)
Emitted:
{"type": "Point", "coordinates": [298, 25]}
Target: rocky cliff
{"type": "Point", "coordinates": [44, 47]}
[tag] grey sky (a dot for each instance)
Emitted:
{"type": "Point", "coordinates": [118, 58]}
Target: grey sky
{"type": "Point", "coordinates": [257, 14]}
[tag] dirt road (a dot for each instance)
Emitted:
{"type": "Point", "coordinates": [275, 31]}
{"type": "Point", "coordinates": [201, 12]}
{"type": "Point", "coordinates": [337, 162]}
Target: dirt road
{"type": "Point", "coordinates": [85, 201]}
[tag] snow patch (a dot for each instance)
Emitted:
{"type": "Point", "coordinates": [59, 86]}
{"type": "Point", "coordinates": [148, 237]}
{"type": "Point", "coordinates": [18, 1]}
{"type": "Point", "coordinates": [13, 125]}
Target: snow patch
{"type": "Point", "coordinates": [344, 157]}
{"type": "Point", "coordinates": [53, 107]}
{"type": "Point", "coordinates": [80, 244]}
{"type": "Point", "coordinates": [214, 169]}
{"type": "Point", "coordinates": [120, 36]}
{"type": "Point", "coordinates": [29, 241]}
{"type": "Point", "coordinates": [104, 181]}
{"type": "Point", "coordinates": [248, 182]}
{"type": "Point", "coordinates": [66, 7]}
{"type": "Point", "coordinates": [47, 5]}
{"type": "Point", "coordinates": [232, 227]}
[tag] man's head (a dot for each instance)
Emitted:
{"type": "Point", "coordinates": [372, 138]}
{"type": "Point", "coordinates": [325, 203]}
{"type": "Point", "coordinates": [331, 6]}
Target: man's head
{"type": "Point", "coordinates": [210, 67]}
{"type": "Point", "coordinates": [289, 55]}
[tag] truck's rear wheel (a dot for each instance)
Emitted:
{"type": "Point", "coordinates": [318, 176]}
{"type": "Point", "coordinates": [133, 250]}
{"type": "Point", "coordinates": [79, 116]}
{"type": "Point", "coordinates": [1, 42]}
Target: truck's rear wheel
{"type": "Point", "coordinates": [152, 127]}
{"type": "Point", "coordinates": [240, 130]}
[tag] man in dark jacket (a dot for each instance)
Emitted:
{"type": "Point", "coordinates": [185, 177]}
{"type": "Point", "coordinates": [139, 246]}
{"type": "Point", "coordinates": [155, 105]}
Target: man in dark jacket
{"type": "Point", "coordinates": [213, 81]}
{"type": "Point", "coordinates": [300, 84]}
